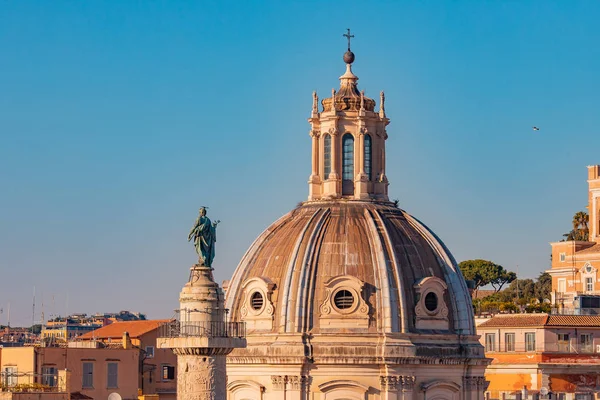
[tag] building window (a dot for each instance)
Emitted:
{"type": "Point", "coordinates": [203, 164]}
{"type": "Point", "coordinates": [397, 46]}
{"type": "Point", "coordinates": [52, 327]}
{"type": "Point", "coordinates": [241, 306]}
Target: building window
{"type": "Point", "coordinates": [431, 302]}
{"type": "Point", "coordinates": [348, 158]}
{"type": "Point", "coordinates": [343, 299]}
{"type": "Point", "coordinates": [49, 375]}
{"type": "Point", "coordinates": [257, 301]}
{"type": "Point", "coordinates": [112, 375]}
{"type": "Point", "coordinates": [563, 342]}
{"type": "Point", "coordinates": [589, 284]}
{"type": "Point", "coordinates": [327, 155]}
{"type": "Point", "coordinates": [586, 343]}
{"type": "Point", "coordinates": [563, 257]}
{"type": "Point", "coordinates": [367, 157]}
{"type": "Point", "coordinates": [490, 342]}
{"type": "Point", "coordinates": [88, 375]}
{"type": "Point", "coordinates": [168, 372]}
{"type": "Point", "coordinates": [530, 341]}
{"type": "Point", "coordinates": [10, 376]}
{"type": "Point", "coordinates": [562, 285]}
{"type": "Point", "coordinates": [509, 342]}
{"type": "Point", "coordinates": [149, 351]}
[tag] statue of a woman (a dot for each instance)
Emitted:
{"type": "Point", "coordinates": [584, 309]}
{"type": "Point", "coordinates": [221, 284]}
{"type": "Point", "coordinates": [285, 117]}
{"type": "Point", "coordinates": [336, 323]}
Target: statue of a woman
{"type": "Point", "coordinates": [204, 234]}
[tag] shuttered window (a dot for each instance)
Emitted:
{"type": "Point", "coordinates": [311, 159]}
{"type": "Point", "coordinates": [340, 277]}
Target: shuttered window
{"type": "Point", "coordinates": [88, 375]}
{"type": "Point", "coordinates": [112, 375]}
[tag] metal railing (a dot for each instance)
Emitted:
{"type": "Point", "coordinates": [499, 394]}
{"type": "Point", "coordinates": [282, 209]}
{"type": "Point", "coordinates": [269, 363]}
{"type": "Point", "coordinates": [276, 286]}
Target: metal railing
{"type": "Point", "coordinates": [210, 329]}
{"type": "Point", "coordinates": [575, 311]}
{"type": "Point", "coordinates": [570, 347]}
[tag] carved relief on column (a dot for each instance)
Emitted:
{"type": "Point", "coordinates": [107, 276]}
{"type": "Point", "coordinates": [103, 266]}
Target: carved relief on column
{"type": "Point", "coordinates": [279, 381]}
{"type": "Point", "coordinates": [201, 378]}
{"type": "Point", "coordinates": [389, 383]}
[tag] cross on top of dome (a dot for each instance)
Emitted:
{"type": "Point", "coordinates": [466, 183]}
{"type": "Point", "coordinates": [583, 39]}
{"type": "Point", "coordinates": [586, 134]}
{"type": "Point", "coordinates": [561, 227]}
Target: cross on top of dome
{"type": "Point", "coordinates": [349, 55]}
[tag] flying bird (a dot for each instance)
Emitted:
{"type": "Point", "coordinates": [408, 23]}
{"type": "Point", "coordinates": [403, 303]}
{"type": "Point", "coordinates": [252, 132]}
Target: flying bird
{"type": "Point", "coordinates": [535, 128]}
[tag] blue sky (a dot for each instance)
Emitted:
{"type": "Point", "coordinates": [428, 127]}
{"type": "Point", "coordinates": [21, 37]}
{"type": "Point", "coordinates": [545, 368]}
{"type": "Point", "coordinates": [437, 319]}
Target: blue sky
{"type": "Point", "coordinates": [119, 119]}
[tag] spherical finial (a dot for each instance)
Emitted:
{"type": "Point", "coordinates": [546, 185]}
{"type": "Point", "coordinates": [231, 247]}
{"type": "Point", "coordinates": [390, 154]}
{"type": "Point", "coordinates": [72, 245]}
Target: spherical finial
{"type": "Point", "coordinates": [348, 57]}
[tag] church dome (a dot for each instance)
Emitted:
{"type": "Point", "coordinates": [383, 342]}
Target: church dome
{"type": "Point", "coordinates": [349, 266]}
{"type": "Point", "coordinates": [348, 296]}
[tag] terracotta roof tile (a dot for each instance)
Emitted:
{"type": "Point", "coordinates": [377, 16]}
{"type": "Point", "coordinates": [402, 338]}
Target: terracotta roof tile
{"type": "Point", "coordinates": [525, 320]}
{"type": "Point", "coordinates": [573, 320]}
{"type": "Point", "coordinates": [594, 249]}
{"type": "Point", "coordinates": [116, 329]}
{"type": "Point", "coordinates": [515, 320]}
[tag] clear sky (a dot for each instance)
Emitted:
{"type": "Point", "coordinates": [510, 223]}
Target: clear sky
{"type": "Point", "coordinates": [119, 119]}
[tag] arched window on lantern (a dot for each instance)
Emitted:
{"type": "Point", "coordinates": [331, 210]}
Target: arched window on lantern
{"type": "Point", "coordinates": [348, 157]}
{"type": "Point", "coordinates": [368, 151]}
{"type": "Point", "coordinates": [327, 155]}
{"type": "Point", "coordinates": [348, 164]}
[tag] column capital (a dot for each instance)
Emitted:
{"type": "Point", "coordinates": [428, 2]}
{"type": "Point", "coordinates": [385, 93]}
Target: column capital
{"type": "Point", "coordinates": [314, 133]}
{"type": "Point", "coordinates": [389, 382]}
{"type": "Point", "coordinates": [334, 131]}
{"type": "Point", "coordinates": [408, 382]}
{"type": "Point", "coordinates": [279, 381]}
{"type": "Point", "coordinates": [297, 382]}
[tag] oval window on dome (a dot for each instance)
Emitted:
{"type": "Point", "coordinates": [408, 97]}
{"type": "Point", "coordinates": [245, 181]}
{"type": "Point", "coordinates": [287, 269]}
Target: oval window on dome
{"type": "Point", "coordinates": [256, 301]}
{"type": "Point", "coordinates": [343, 299]}
{"type": "Point", "coordinates": [431, 302]}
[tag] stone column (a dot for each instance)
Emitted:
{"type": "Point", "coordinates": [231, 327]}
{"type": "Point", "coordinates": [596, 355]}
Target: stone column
{"type": "Point", "coordinates": [202, 338]}
{"type": "Point", "coordinates": [279, 382]}
{"type": "Point", "coordinates": [361, 181]}
{"type": "Point", "coordinates": [482, 385]}
{"type": "Point", "coordinates": [335, 158]}
{"type": "Point", "coordinates": [470, 388]}
{"type": "Point", "coordinates": [314, 182]}
{"type": "Point", "coordinates": [295, 387]}
{"type": "Point", "coordinates": [408, 385]}
{"type": "Point", "coordinates": [389, 387]}
{"type": "Point", "coordinates": [315, 152]}
{"type": "Point", "coordinates": [199, 377]}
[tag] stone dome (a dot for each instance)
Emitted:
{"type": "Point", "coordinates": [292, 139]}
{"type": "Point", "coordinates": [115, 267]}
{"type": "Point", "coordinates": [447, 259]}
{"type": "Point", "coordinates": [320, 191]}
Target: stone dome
{"type": "Point", "coordinates": [349, 266]}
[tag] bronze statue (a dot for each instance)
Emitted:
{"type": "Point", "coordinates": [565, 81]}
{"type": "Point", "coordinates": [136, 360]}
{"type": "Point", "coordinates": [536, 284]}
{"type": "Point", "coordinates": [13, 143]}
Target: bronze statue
{"type": "Point", "coordinates": [204, 234]}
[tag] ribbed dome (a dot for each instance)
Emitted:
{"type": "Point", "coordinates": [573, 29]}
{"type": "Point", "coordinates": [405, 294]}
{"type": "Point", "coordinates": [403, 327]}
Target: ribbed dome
{"type": "Point", "coordinates": [371, 263]}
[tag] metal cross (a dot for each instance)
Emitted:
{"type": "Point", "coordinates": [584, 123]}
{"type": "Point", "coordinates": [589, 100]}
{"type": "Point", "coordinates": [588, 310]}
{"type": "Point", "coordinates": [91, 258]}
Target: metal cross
{"type": "Point", "coordinates": [349, 36]}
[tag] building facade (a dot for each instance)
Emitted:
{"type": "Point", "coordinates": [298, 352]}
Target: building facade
{"type": "Point", "coordinates": [157, 367]}
{"type": "Point", "coordinates": [560, 353]}
{"type": "Point", "coordinates": [96, 371]}
{"type": "Point", "coordinates": [575, 264]}
{"type": "Point", "coordinates": [348, 296]}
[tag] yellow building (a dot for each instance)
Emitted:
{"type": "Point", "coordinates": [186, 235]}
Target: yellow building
{"type": "Point", "coordinates": [575, 264]}
{"type": "Point", "coordinates": [533, 352]}
{"type": "Point", "coordinates": [93, 370]}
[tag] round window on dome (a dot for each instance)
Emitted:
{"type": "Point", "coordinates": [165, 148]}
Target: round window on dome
{"type": "Point", "coordinates": [343, 299]}
{"type": "Point", "coordinates": [431, 302]}
{"type": "Point", "coordinates": [257, 301]}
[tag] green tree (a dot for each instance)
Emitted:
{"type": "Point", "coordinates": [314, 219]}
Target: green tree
{"type": "Point", "coordinates": [484, 272]}
{"type": "Point", "coordinates": [36, 329]}
{"type": "Point", "coordinates": [543, 286]}
{"type": "Point", "coordinates": [580, 229]}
